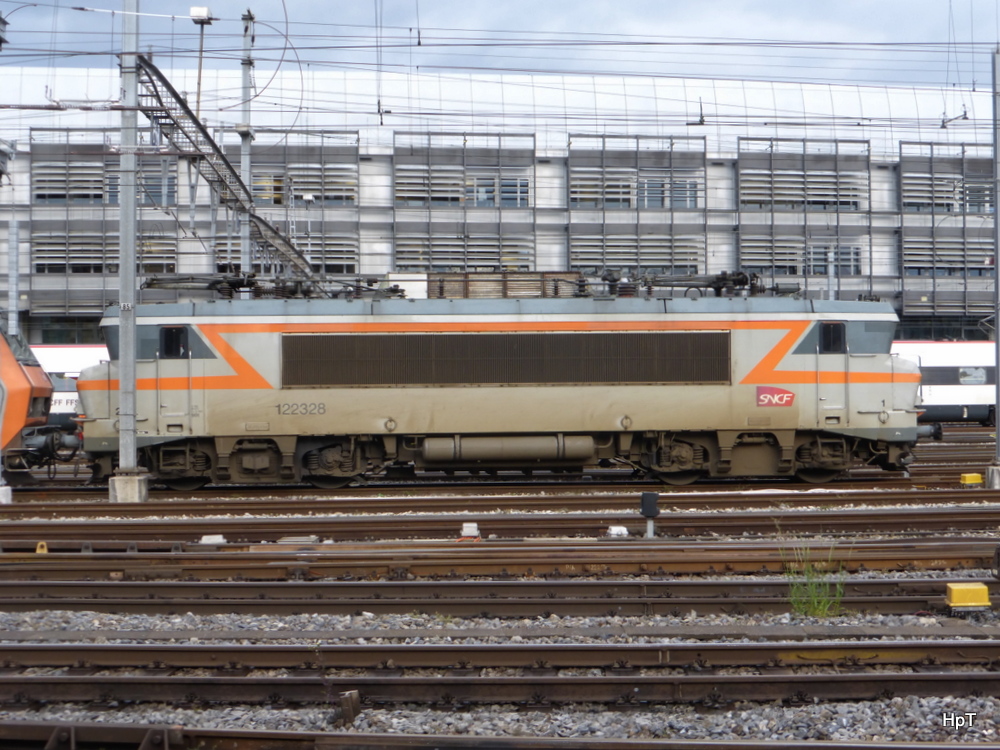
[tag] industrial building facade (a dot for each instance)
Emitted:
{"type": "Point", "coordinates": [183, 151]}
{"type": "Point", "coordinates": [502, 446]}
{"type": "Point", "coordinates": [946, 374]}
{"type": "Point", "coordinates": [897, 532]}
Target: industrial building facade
{"type": "Point", "coordinates": [915, 229]}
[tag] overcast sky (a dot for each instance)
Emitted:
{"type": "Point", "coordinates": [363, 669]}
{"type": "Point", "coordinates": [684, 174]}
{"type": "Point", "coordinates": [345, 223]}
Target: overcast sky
{"type": "Point", "coordinates": [922, 42]}
{"type": "Point", "coordinates": [877, 69]}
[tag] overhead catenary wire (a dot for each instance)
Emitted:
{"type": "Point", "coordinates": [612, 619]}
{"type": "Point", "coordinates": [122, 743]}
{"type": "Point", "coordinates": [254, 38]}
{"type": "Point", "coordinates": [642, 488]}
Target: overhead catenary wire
{"type": "Point", "coordinates": [528, 43]}
{"type": "Point", "coordinates": [545, 64]}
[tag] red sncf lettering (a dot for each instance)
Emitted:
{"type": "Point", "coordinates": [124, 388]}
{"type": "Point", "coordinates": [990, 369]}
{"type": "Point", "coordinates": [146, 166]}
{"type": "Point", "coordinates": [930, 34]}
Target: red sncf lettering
{"type": "Point", "coordinates": [768, 395]}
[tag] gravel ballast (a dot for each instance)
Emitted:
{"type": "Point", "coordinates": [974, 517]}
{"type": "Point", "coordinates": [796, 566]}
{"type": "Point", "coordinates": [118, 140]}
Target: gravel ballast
{"type": "Point", "coordinates": [971, 719]}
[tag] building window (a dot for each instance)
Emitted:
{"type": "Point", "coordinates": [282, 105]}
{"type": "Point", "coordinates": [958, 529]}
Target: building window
{"type": "Point", "coordinates": [948, 256]}
{"type": "Point", "coordinates": [68, 183]}
{"type": "Point", "coordinates": [629, 189]}
{"type": "Point", "coordinates": [770, 256]}
{"type": "Point", "coordinates": [269, 188]}
{"type": "Point", "coordinates": [978, 197]}
{"type": "Point", "coordinates": [154, 189]}
{"type": "Point", "coordinates": [467, 253]}
{"type": "Point", "coordinates": [157, 188]}
{"type": "Point", "coordinates": [617, 194]}
{"type": "Point", "coordinates": [684, 194]}
{"type": "Point", "coordinates": [430, 186]}
{"type": "Point", "coordinates": [846, 261]}
{"type": "Point", "coordinates": [801, 190]}
{"type": "Point", "coordinates": [930, 193]}
{"type": "Point", "coordinates": [586, 190]}
{"type": "Point", "coordinates": [637, 255]}
{"type": "Point", "coordinates": [323, 184]}
{"type": "Point", "coordinates": [652, 193]}
{"type": "Point", "coordinates": [767, 271]}
{"type": "Point", "coordinates": [67, 330]}
{"type": "Point", "coordinates": [481, 191]}
{"type": "Point", "coordinates": [514, 192]}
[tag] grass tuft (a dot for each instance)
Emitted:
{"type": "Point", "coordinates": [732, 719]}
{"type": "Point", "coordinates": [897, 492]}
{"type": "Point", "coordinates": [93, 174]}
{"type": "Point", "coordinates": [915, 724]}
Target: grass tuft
{"type": "Point", "coordinates": [811, 590]}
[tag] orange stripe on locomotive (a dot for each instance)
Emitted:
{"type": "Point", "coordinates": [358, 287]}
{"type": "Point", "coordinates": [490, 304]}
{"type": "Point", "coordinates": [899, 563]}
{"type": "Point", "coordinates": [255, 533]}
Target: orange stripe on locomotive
{"type": "Point", "coordinates": [245, 377]}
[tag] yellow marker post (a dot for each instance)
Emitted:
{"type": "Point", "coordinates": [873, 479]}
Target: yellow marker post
{"type": "Point", "coordinates": [967, 597]}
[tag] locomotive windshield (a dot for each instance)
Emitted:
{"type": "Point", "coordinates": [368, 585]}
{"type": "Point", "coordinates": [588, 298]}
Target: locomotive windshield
{"type": "Point", "coordinates": [20, 348]}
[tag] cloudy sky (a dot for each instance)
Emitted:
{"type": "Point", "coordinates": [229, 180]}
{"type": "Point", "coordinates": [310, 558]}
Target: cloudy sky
{"type": "Point", "coordinates": [922, 42]}
{"type": "Point", "coordinates": [431, 62]}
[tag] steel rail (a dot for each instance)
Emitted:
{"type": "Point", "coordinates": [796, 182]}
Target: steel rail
{"type": "Point", "coordinates": [615, 658]}
{"type": "Point", "coordinates": [561, 558]}
{"type": "Point", "coordinates": [459, 607]}
{"type": "Point", "coordinates": [39, 504]}
{"type": "Point", "coordinates": [38, 735]}
{"type": "Point", "coordinates": [341, 528]}
{"type": "Point", "coordinates": [524, 598]}
{"type": "Point", "coordinates": [532, 690]}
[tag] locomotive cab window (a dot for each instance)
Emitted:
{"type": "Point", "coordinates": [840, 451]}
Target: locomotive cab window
{"type": "Point", "coordinates": [174, 343]}
{"type": "Point", "coordinates": [832, 338]}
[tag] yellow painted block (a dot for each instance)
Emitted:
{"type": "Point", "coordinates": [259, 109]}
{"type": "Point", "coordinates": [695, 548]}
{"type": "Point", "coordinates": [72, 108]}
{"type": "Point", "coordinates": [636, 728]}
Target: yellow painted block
{"type": "Point", "coordinates": [972, 479]}
{"type": "Point", "coordinates": [968, 595]}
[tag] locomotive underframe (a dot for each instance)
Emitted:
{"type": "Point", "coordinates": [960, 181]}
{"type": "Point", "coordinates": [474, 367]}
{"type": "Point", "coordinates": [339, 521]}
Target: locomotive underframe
{"type": "Point", "coordinates": [674, 457]}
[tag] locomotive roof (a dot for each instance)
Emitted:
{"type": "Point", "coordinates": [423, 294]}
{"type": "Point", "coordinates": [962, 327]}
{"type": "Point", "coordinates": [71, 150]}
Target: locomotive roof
{"type": "Point", "coordinates": [552, 306]}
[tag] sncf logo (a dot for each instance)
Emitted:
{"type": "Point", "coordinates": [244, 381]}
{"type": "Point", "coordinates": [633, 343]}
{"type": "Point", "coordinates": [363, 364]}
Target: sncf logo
{"type": "Point", "coordinates": [768, 395]}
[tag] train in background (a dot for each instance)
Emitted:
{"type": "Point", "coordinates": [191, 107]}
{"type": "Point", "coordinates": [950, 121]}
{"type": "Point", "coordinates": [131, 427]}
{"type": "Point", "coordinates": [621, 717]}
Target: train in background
{"type": "Point", "coordinates": [39, 407]}
{"type": "Point", "coordinates": [958, 379]}
{"type": "Point", "coordinates": [63, 363]}
{"type": "Point", "coordinates": [330, 391]}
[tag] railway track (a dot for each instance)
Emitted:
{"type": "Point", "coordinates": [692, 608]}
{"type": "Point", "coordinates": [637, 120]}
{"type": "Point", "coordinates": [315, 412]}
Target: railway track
{"type": "Point", "coordinates": [41, 505]}
{"type": "Point", "coordinates": [152, 560]}
{"type": "Point", "coordinates": [100, 534]}
{"type": "Point", "coordinates": [557, 558]}
{"type": "Point", "coordinates": [535, 690]}
{"type": "Point", "coordinates": [227, 659]}
{"type": "Point", "coordinates": [522, 598]}
{"type": "Point", "coordinates": [938, 474]}
{"type": "Point", "coordinates": [47, 735]}
{"type": "Point", "coordinates": [533, 674]}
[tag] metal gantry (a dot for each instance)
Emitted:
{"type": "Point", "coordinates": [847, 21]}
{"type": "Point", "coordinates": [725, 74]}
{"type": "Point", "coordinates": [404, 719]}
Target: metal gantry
{"type": "Point", "coordinates": [168, 111]}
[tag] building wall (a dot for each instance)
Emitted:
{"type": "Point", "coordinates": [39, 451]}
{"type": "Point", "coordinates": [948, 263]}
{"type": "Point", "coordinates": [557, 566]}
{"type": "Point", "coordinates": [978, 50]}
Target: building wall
{"type": "Point", "coordinates": [916, 230]}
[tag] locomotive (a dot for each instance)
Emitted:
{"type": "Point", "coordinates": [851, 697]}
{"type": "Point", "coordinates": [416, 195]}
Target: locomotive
{"type": "Point", "coordinates": [25, 400]}
{"type": "Point", "coordinates": [330, 391]}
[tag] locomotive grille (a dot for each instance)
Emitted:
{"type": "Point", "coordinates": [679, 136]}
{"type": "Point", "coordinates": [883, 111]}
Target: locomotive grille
{"type": "Point", "coordinates": [319, 360]}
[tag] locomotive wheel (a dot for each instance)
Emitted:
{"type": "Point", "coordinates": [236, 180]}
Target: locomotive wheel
{"type": "Point", "coordinates": [328, 483]}
{"type": "Point", "coordinates": [184, 484]}
{"type": "Point", "coordinates": [679, 478]}
{"type": "Point", "coordinates": [816, 476]}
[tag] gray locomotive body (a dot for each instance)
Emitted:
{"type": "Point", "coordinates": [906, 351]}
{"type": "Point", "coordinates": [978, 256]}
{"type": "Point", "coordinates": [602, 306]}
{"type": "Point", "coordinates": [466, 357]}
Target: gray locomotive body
{"type": "Point", "coordinates": [328, 390]}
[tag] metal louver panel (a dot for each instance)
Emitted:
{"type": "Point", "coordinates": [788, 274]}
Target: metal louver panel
{"type": "Point", "coordinates": [324, 360]}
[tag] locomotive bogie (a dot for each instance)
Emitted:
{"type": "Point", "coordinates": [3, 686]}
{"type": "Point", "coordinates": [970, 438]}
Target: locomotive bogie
{"type": "Point", "coordinates": [328, 390]}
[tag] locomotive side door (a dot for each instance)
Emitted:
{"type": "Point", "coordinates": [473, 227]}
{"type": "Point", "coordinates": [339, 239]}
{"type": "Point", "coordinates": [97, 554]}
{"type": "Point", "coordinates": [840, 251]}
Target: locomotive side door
{"type": "Point", "coordinates": [832, 375]}
{"type": "Point", "coordinates": [179, 409]}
